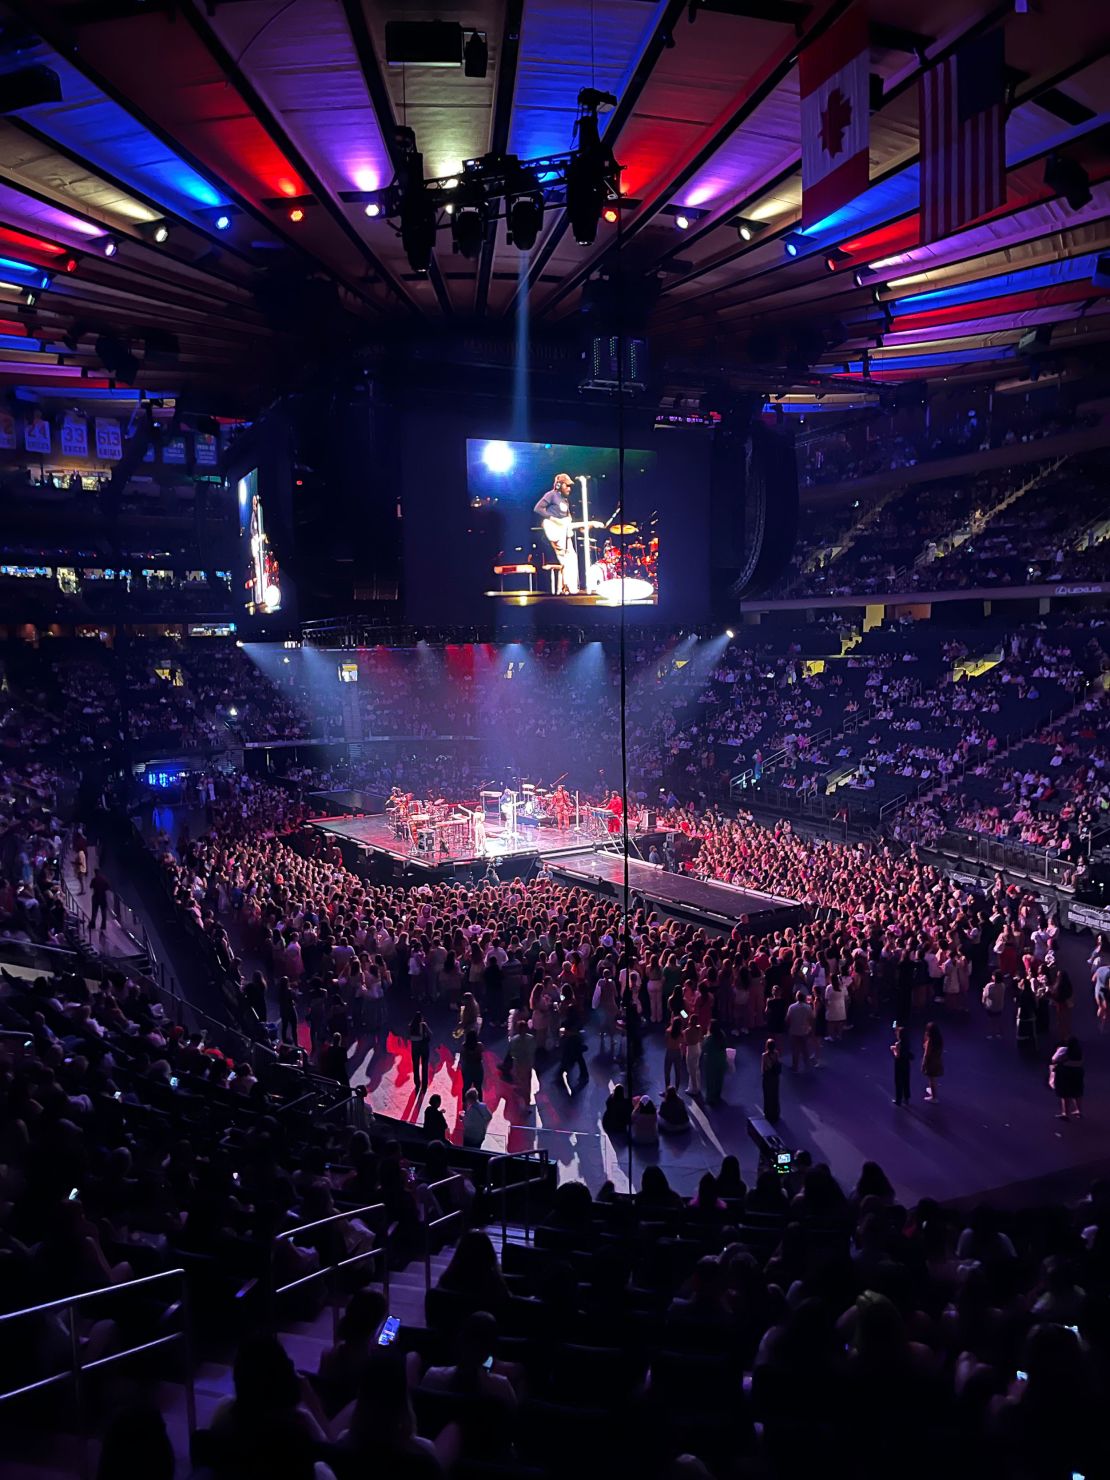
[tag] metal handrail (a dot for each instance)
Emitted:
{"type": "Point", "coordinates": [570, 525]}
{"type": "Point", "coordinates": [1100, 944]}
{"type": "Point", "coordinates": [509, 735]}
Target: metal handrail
{"type": "Point", "coordinates": [430, 1223]}
{"type": "Point", "coordinates": [526, 1183]}
{"type": "Point", "coordinates": [77, 1368]}
{"type": "Point", "coordinates": [330, 1270]}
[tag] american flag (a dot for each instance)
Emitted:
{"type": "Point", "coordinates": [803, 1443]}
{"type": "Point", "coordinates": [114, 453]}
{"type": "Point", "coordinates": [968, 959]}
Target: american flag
{"type": "Point", "coordinates": [963, 137]}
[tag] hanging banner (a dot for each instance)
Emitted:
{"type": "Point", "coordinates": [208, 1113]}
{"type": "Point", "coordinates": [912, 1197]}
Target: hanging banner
{"type": "Point", "coordinates": [7, 429]}
{"type": "Point", "coordinates": [75, 435]}
{"type": "Point", "coordinates": [173, 450]}
{"type": "Point", "coordinates": [36, 431]}
{"type": "Point", "coordinates": [109, 441]}
{"type": "Point", "coordinates": [206, 450]}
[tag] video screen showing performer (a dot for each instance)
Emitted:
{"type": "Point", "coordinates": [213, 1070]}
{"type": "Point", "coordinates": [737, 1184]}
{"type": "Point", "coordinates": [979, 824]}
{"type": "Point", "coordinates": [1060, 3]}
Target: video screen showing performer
{"type": "Point", "coordinates": [261, 574]}
{"type": "Point", "coordinates": [567, 535]}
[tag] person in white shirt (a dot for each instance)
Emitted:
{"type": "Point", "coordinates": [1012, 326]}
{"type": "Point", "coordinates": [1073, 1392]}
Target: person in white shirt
{"type": "Point", "coordinates": [475, 1120]}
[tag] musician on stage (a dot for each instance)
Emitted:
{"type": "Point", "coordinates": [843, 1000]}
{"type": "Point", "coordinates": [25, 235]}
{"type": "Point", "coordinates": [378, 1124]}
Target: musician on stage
{"type": "Point", "coordinates": [561, 805]}
{"type": "Point", "coordinates": [615, 806]}
{"type": "Point", "coordinates": [554, 511]}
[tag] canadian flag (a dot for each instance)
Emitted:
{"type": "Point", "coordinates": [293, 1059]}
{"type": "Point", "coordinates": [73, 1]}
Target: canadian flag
{"type": "Point", "coordinates": [836, 116]}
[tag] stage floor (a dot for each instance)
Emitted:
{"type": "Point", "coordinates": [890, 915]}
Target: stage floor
{"type": "Point", "coordinates": [376, 832]}
{"type": "Point", "coordinates": [725, 903]}
{"type": "Point", "coordinates": [992, 1131]}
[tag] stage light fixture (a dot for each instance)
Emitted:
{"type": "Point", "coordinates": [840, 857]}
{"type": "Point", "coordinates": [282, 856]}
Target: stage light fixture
{"type": "Point", "coordinates": [373, 209]}
{"type": "Point", "coordinates": [468, 224]}
{"type": "Point", "coordinates": [161, 233]}
{"type": "Point", "coordinates": [683, 216]}
{"type": "Point", "coordinates": [611, 215]}
{"type": "Point", "coordinates": [793, 242]}
{"type": "Point", "coordinates": [746, 229]}
{"type": "Point", "coordinates": [110, 247]}
{"type": "Point", "coordinates": [70, 264]}
{"type": "Point", "coordinates": [475, 56]}
{"type": "Point", "coordinates": [222, 222]}
{"type": "Point", "coordinates": [1068, 178]}
{"type": "Point", "coordinates": [524, 219]}
{"type": "Point", "coordinates": [836, 257]}
{"type": "Point", "coordinates": [729, 633]}
{"type": "Point", "coordinates": [296, 215]}
{"type": "Point", "coordinates": [418, 218]}
{"type": "Point", "coordinates": [451, 183]}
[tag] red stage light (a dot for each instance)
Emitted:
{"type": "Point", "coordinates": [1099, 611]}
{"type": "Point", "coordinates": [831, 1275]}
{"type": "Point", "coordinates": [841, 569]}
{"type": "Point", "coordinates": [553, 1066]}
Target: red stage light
{"type": "Point", "coordinates": [70, 264]}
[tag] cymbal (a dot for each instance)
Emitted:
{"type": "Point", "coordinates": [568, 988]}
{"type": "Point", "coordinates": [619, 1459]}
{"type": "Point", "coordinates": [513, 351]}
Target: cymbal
{"type": "Point", "coordinates": [624, 529]}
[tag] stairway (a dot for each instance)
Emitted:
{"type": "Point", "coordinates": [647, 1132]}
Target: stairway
{"type": "Point", "coordinates": [32, 1452]}
{"type": "Point", "coordinates": [983, 517]}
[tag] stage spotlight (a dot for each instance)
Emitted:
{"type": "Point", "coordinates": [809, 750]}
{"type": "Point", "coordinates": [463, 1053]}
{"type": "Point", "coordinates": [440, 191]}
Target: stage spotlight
{"type": "Point", "coordinates": [611, 215]}
{"type": "Point", "coordinates": [1068, 178]}
{"type": "Point", "coordinates": [418, 218]}
{"type": "Point", "coordinates": [70, 264]}
{"type": "Point", "coordinates": [498, 457]}
{"type": "Point", "coordinates": [296, 215]}
{"type": "Point", "coordinates": [793, 242]}
{"type": "Point", "coordinates": [835, 257]}
{"type": "Point", "coordinates": [747, 230]}
{"type": "Point", "coordinates": [683, 216]}
{"type": "Point", "coordinates": [525, 214]}
{"type": "Point", "coordinates": [475, 56]}
{"type": "Point", "coordinates": [157, 232]}
{"type": "Point", "coordinates": [110, 247]}
{"type": "Point", "coordinates": [222, 222]}
{"type": "Point", "coordinates": [729, 632]}
{"type": "Point", "coordinates": [468, 226]}
{"type": "Point", "coordinates": [373, 209]}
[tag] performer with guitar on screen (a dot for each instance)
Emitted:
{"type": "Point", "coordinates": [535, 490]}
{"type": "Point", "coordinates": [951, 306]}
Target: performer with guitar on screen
{"type": "Point", "coordinates": [554, 511]}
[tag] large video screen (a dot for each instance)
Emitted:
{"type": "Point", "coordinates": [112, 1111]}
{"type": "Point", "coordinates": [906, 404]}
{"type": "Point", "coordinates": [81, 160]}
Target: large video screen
{"type": "Point", "coordinates": [262, 581]}
{"type": "Point", "coordinates": [562, 531]}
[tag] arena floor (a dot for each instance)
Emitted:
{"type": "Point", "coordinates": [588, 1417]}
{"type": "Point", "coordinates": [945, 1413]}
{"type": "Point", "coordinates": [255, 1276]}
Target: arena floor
{"type": "Point", "coordinates": [992, 1130]}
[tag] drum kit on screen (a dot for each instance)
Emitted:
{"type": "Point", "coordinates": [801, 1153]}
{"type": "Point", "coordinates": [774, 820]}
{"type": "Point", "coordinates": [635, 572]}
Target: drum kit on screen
{"type": "Point", "coordinates": [627, 569]}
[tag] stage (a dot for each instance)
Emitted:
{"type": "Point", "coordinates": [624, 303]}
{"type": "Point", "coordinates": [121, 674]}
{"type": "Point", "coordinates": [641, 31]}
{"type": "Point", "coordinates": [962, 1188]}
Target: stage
{"type": "Point", "coordinates": [376, 835]}
{"type": "Point", "coordinates": [678, 894]}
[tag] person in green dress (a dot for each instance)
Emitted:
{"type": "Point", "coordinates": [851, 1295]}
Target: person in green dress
{"type": "Point", "coordinates": [714, 1062]}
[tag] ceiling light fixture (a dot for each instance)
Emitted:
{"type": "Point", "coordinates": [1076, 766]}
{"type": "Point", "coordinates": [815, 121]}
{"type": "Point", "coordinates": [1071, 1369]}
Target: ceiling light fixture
{"type": "Point", "coordinates": [746, 229]}
{"type": "Point", "coordinates": [793, 242]}
{"type": "Point", "coordinates": [610, 215]}
{"type": "Point", "coordinates": [524, 214]}
{"type": "Point", "coordinates": [684, 216]}
{"type": "Point", "coordinates": [373, 209]}
{"type": "Point", "coordinates": [222, 222]}
{"type": "Point", "coordinates": [296, 215]}
{"type": "Point", "coordinates": [1068, 178]}
{"type": "Point", "coordinates": [418, 218]}
{"type": "Point", "coordinates": [110, 247]}
{"type": "Point", "coordinates": [836, 257]}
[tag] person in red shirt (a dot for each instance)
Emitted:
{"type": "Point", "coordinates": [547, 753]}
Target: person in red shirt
{"type": "Point", "coordinates": [616, 807]}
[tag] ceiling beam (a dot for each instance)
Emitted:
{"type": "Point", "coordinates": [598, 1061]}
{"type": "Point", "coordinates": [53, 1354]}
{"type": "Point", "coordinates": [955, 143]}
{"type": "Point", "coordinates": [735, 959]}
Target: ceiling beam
{"type": "Point", "coordinates": [57, 34]}
{"type": "Point", "coordinates": [507, 57]}
{"type": "Point", "coordinates": [771, 79]}
{"type": "Point", "coordinates": [382, 104]}
{"type": "Point", "coordinates": [756, 89]}
{"type": "Point", "coordinates": [660, 40]}
{"type": "Point", "coordinates": [217, 238]}
{"type": "Point", "coordinates": [723, 260]}
{"type": "Point", "coordinates": [282, 141]}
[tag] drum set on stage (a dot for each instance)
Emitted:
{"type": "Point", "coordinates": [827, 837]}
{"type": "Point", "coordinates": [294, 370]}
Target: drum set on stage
{"type": "Point", "coordinates": [434, 828]}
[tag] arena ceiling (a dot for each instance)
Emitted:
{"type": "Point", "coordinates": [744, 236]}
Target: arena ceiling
{"type": "Point", "coordinates": [221, 119]}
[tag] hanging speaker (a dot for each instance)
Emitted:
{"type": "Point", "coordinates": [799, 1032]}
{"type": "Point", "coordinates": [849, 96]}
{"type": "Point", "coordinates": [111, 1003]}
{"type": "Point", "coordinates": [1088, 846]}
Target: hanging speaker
{"type": "Point", "coordinates": [770, 510]}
